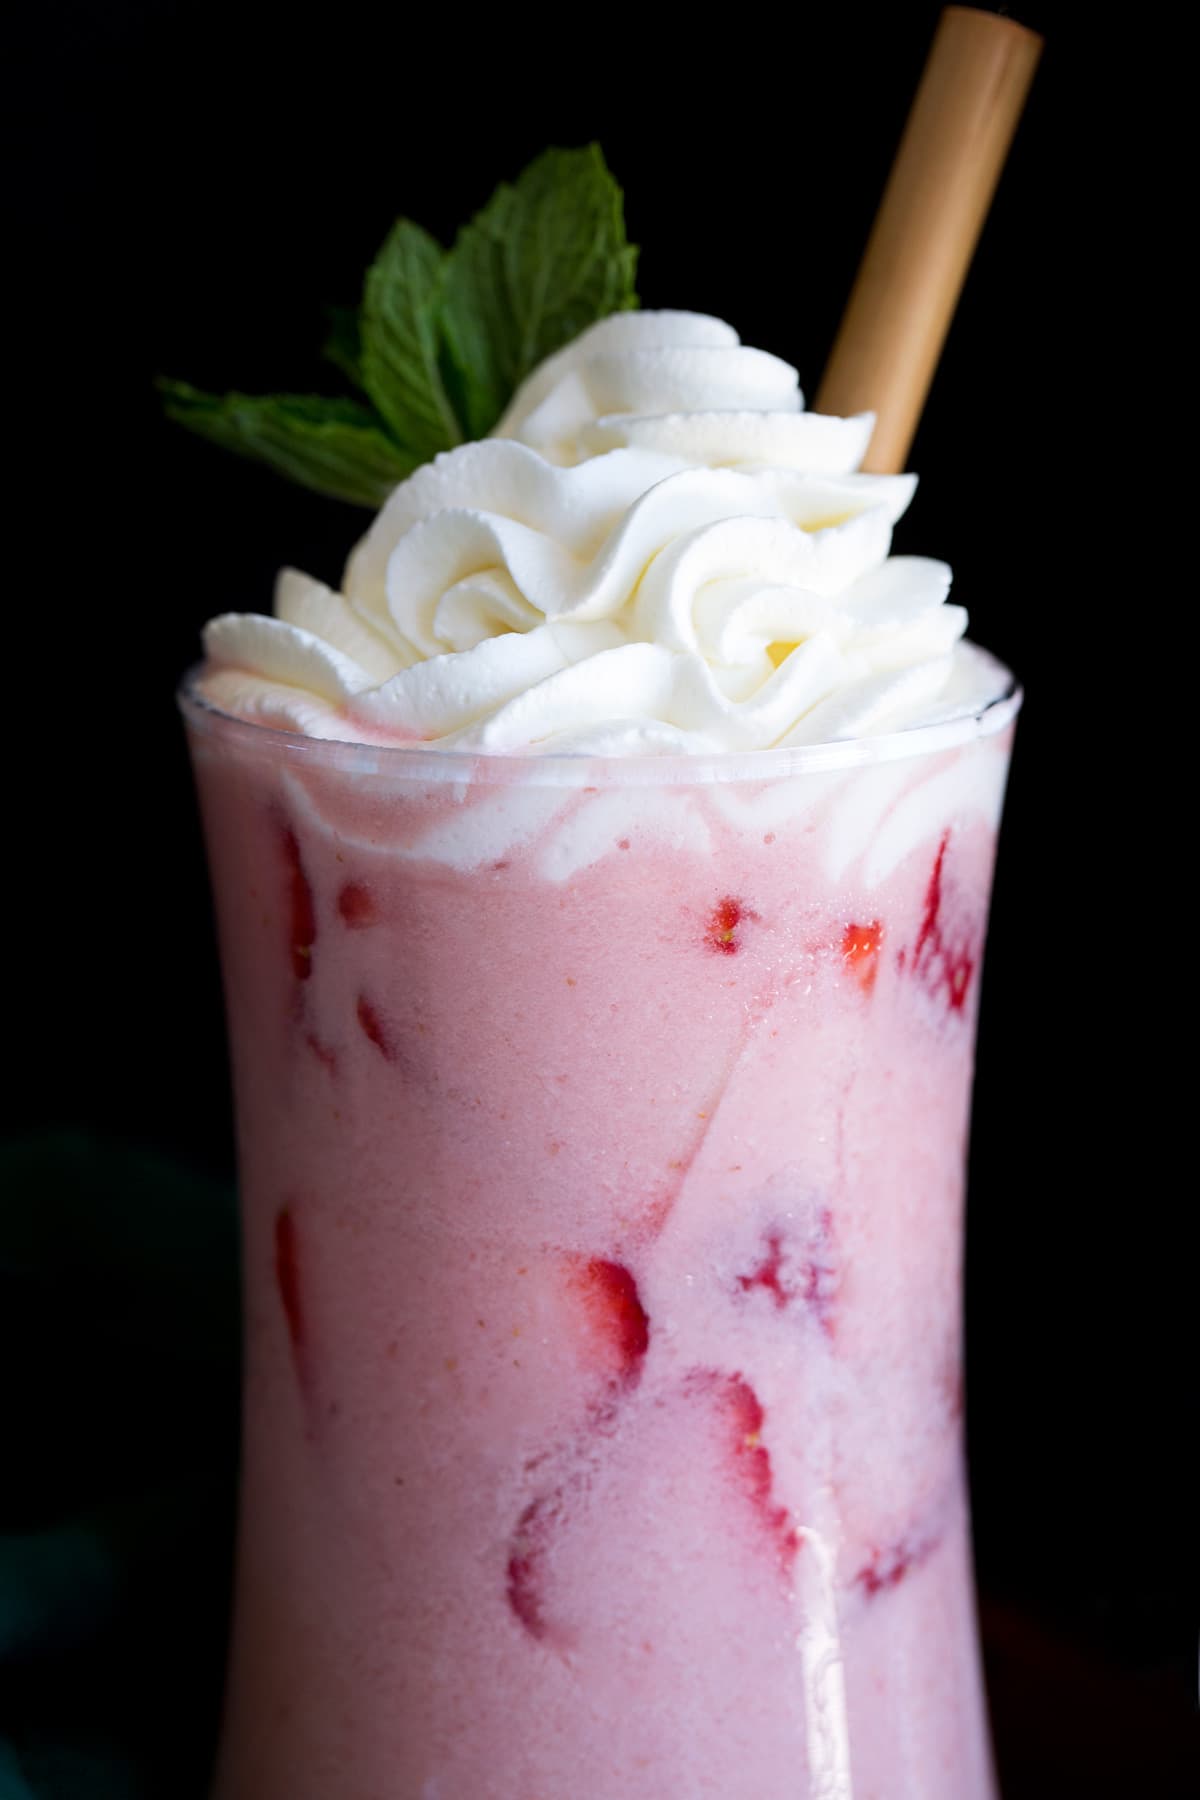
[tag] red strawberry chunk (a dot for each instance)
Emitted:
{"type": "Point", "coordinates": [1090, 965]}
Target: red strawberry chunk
{"type": "Point", "coordinates": [930, 933]}
{"type": "Point", "coordinates": [323, 1053]}
{"type": "Point", "coordinates": [860, 951]}
{"type": "Point", "coordinates": [615, 1334]}
{"type": "Point", "coordinates": [616, 1324]}
{"type": "Point", "coordinates": [797, 1267]}
{"type": "Point", "coordinates": [526, 1560]}
{"type": "Point", "coordinates": [356, 906]}
{"type": "Point", "coordinates": [743, 1418]}
{"type": "Point", "coordinates": [721, 932]}
{"type": "Point", "coordinates": [886, 1568]}
{"type": "Point", "coordinates": [944, 957]}
{"type": "Point", "coordinates": [769, 1274]}
{"type": "Point", "coordinates": [373, 1028]}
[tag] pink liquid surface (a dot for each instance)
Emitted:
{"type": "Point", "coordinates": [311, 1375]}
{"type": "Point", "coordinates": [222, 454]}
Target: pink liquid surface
{"type": "Point", "coordinates": [602, 1170]}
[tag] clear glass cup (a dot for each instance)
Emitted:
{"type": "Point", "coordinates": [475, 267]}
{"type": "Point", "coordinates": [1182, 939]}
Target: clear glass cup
{"type": "Point", "coordinates": [601, 1134]}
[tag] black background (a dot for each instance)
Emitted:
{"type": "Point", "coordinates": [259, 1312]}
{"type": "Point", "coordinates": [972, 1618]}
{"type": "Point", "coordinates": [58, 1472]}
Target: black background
{"type": "Point", "coordinates": [194, 182]}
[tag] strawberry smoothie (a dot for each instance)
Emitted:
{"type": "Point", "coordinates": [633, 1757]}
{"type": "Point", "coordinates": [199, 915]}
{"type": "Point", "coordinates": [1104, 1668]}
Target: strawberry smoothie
{"type": "Point", "coordinates": [601, 1129]}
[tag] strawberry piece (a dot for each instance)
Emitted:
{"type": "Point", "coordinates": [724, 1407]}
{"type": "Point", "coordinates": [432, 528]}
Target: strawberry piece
{"type": "Point", "coordinates": [860, 952]}
{"type": "Point", "coordinates": [322, 1052]}
{"type": "Point", "coordinates": [931, 929]}
{"type": "Point", "coordinates": [356, 906]}
{"type": "Point", "coordinates": [616, 1325]}
{"type": "Point", "coordinates": [721, 931]}
{"type": "Point", "coordinates": [742, 1417]}
{"type": "Point", "coordinates": [302, 917]}
{"type": "Point", "coordinates": [886, 1569]}
{"type": "Point", "coordinates": [373, 1028]}
{"type": "Point", "coordinates": [616, 1336]}
{"type": "Point", "coordinates": [929, 936]}
{"type": "Point", "coordinates": [769, 1273]}
{"type": "Point", "coordinates": [526, 1560]}
{"type": "Point", "coordinates": [804, 1270]}
{"type": "Point", "coordinates": [944, 959]}
{"type": "Point", "coordinates": [287, 1277]}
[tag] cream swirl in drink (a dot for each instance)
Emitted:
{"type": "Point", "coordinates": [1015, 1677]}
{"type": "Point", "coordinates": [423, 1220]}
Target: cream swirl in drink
{"type": "Point", "coordinates": [658, 550]}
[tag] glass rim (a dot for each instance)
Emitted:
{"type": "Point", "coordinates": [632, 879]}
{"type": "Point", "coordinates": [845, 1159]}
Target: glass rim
{"type": "Point", "coordinates": [416, 762]}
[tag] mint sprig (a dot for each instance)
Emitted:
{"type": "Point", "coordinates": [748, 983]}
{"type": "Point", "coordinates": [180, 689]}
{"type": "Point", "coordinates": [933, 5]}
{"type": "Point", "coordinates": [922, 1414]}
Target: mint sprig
{"type": "Point", "coordinates": [542, 261]}
{"type": "Point", "coordinates": [442, 339]}
{"type": "Point", "coordinates": [401, 342]}
{"type": "Point", "coordinates": [336, 446]}
{"type": "Point", "coordinates": [343, 345]}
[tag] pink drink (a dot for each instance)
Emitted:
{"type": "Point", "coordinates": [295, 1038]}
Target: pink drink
{"type": "Point", "coordinates": [602, 1130]}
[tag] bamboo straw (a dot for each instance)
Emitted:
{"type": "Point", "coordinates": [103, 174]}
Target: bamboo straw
{"type": "Point", "coordinates": [941, 185]}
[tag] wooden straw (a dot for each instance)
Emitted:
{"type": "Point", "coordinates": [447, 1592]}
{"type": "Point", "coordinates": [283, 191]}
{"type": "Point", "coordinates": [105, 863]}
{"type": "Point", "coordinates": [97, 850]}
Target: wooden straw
{"type": "Point", "coordinates": [945, 173]}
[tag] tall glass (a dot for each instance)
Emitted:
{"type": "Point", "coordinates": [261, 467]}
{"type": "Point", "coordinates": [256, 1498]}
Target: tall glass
{"type": "Point", "coordinates": [601, 1130]}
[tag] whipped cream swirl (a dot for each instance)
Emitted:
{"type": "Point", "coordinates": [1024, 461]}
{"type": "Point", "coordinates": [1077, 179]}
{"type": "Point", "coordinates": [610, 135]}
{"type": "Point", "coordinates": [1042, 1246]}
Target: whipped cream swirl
{"type": "Point", "coordinates": [658, 550]}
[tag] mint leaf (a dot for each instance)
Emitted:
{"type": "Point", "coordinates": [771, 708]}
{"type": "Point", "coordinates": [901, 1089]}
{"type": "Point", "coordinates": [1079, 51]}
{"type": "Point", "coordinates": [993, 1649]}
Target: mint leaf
{"type": "Point", "coordinates": [543, 260]}
{"type": "Point", "coordinates": [343, 346]}
{"type": "Point", "coordinates": [337, 447]}
{"type": "Point", "coordinates": [400, 341]}
{"type": "Point", "coordinates": [442, 341]}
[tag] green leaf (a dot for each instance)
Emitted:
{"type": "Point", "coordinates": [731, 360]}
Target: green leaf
{"type": "Point", "coordinates": [337, 447]}
{"type": "Point", "coordinates": [543, 260]}
{"type": "Point", "coordinates": [343, 345]}
{"type": "Point", "coordinates": [442, 341]}
{"type": "Point", "coordinates": [400, 342]}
